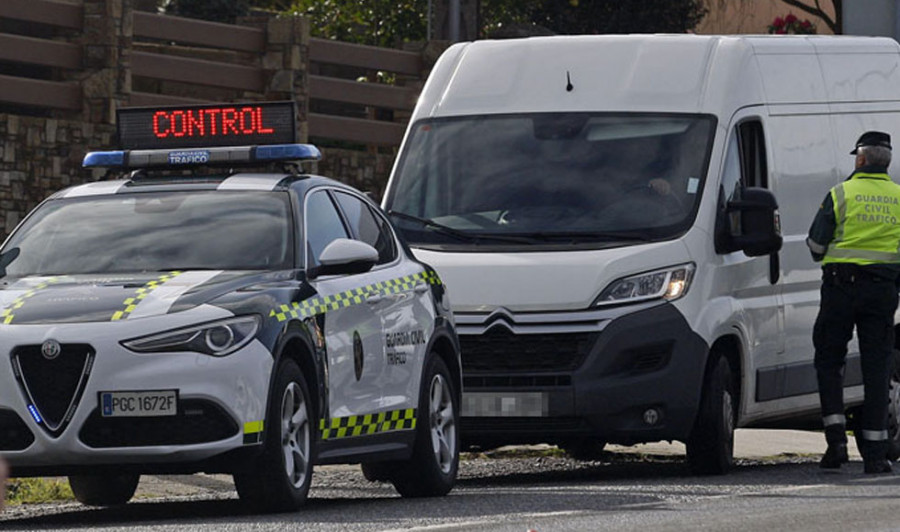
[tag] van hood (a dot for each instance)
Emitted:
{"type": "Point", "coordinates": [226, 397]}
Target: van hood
{"type": "Point", "coordinates": [543, 281]}
{"type": "Point", "coordinates": [112, 297]}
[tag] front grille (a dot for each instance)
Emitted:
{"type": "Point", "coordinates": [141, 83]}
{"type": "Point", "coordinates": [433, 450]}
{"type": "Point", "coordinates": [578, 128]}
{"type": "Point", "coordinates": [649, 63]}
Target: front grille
{"type": "Point", "coordinates": [53, 386]}
{"type": "Point", "coordinates": [14, 434]}
{"type": "Point", "coordinates": [499, 350]}
{"type": "Point", "coordinates": [516, 381]}
{"type": "Point", "coordinates": [197, 421]}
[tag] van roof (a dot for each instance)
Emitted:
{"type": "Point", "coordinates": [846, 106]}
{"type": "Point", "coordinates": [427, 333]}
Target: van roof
{"type": "Point", "coordinates": [673, 73]}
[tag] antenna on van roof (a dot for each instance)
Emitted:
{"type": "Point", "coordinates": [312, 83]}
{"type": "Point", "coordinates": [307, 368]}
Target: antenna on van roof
{"type": "Point", "coordinates": [569, 86]}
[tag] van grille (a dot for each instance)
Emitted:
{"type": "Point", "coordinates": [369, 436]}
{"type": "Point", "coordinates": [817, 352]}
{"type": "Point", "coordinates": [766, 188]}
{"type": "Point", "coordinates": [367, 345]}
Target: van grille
{"type": "Point", "coordinates": [499, 350]}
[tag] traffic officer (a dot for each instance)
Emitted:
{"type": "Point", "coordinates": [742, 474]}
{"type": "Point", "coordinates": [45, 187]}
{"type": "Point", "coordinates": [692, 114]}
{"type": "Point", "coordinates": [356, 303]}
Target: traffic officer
{"type": "Point", "coordinates": [856, 236]}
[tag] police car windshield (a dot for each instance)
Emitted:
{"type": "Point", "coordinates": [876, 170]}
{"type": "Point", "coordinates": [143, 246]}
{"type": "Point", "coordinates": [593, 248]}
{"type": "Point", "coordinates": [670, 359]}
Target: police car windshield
{"type": "Point", "coordinates": [605, 177]}
{"type": "Point", "coordinates": [155, 232]}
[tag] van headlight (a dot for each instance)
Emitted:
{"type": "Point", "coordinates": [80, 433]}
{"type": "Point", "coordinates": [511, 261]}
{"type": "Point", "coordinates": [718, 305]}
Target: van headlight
{"type": "Point", "coordinates": [217, 338]}
{"type": "Point", "coordinates": [668, 283]}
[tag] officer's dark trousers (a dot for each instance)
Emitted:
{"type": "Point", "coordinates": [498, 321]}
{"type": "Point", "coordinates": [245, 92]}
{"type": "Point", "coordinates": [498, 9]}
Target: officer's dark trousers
{"type": "Point", "coordinates": [851, 298]}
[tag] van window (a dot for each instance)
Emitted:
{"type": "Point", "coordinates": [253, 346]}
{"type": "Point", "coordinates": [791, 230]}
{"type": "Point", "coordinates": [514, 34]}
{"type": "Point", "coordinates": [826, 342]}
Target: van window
{"type": "Point", "coordinates": [554, 178]}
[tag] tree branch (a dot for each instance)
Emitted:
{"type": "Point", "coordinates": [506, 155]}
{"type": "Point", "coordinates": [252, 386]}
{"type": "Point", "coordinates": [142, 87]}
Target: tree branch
{"type": "Point", "coordinates": [817, 12]}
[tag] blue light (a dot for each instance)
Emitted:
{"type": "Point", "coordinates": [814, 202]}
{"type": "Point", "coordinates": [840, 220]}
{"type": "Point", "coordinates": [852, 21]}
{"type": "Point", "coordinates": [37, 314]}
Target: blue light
{"type": "Point", "coordinates": [104, 159]}
{"type": "Point", "coordinates": [287, 152]}
{"type": "Point", "coordinates": [35, 414]}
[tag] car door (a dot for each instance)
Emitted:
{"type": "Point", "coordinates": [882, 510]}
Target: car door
{"type": "Point", "coordinates": [353, 332]}
{"type": "Point", "coordinates": [407, 315]}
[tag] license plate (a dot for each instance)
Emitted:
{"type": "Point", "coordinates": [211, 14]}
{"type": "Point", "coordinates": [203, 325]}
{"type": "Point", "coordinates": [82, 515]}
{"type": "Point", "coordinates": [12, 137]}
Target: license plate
{"type": "Point", "coordinates": [139, 404]}
{"type": "Point", "coordinates": [514, 404]}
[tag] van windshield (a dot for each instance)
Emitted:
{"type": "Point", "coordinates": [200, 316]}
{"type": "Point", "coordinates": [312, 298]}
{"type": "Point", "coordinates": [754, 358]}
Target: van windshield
{"type": "Point", "coordinates": [551, 178]}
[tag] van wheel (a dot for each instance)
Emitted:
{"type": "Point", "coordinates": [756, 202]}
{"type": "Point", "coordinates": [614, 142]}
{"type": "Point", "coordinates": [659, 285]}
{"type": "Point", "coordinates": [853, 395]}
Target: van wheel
{"type": "Point", "coordinates": [103, 490]}
{"type": "Point", "coordinates": [280, 481]}
{"type": "Point", "coordinates": [435, 461]}
{"type": "Point", "coordinates": [710, 447]}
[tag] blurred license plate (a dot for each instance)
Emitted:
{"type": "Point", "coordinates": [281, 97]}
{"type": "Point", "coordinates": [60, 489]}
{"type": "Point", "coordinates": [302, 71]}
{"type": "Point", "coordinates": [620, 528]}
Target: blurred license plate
{"type": "Point", "coordinates": [139, 404]}
{"type": "Point", "coordinates": [514, 404]}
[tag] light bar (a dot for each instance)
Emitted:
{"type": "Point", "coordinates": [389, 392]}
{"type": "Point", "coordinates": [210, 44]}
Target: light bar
{"type": "Point", "coordinates": [223, 156]}
{"type": "Point", "coordinates": [102, 159]}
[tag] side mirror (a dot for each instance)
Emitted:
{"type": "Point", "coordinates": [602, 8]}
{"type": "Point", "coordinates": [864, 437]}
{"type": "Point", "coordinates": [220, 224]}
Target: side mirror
{"type": "Point", "coordinates": [344, 256]}
{"type": "Point", "coordinates": [760, 225]}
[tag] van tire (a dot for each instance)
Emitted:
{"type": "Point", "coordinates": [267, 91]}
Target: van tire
{"type": "Point", "coordinates": [104, 490]}
{"type": "Point", "coordinates": [274, 484]}
{"type": "Point", "coordinates": [710, 447]}
{"type": "Point", "coordinates": [432, 470]}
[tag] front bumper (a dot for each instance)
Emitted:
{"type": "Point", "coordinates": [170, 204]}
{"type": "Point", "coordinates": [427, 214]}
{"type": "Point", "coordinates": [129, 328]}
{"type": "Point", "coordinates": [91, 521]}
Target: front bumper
{"type": "Point", "coordinates": [625, 375]}
{"type": "Point", "coordinates": [218, 397]}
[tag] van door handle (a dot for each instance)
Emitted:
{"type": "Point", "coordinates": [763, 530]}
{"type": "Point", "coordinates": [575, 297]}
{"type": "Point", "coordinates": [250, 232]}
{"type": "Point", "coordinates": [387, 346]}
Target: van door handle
{"type": "Point", "coordinates": [421, 288]}
{"type": "Point", "coordinates": [373, 298]}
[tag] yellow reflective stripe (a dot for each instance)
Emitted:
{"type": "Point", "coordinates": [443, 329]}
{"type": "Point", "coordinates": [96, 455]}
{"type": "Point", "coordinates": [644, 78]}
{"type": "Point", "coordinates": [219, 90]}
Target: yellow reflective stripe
{"type": "Point", "coordinates": [253, 427]}
{"type": "Point", "coordinates": [7, 314]}
{"type": "Point", "coordinates": [352, 426]}
{"type": "Point", "coordinates": [132, 302]}
{"type": "Point", "coordinates": [355, 296]}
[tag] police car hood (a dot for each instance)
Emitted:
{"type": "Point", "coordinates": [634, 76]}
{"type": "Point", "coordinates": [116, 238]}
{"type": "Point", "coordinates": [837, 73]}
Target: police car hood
{"type": "Point", "coordinates": [114, 297]}
{"type": "Point", "coordinates": [543, 281]}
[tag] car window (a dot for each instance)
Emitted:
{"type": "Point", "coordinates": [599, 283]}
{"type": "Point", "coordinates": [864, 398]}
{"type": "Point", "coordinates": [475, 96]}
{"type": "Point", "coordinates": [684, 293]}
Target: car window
{"type": "Point", "coordinates": [213, 230]}
{"type": "Point", "coordinates": [323, 225]}
{"type": "Point", "coordinates": [368, 227]}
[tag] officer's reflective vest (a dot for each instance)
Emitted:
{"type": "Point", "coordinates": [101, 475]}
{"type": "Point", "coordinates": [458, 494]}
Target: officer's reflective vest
{"type": "Point", "coordinates": [867, 212]}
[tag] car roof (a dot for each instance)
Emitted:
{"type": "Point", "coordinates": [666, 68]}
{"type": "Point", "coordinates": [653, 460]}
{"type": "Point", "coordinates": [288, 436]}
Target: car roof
{"type": "Point", "coordinates": [243, 181]}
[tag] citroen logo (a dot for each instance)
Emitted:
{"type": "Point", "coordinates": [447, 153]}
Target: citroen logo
{"type": "Point", "coordinates": [50, 349]}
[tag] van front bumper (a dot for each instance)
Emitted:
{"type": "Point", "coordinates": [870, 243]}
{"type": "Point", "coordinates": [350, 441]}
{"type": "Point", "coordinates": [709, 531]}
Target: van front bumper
{"type": "Point", "coordinates": [625, 375]}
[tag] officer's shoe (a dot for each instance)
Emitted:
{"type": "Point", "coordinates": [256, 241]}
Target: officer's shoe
{"type": "Point", "coordinates": [874, 467]}
{"type": "Point", "coordinates": [835, 455]}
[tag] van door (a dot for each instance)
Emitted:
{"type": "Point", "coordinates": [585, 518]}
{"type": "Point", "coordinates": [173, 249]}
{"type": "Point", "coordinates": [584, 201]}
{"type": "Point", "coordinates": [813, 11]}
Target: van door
{"type": "Point", "coordinates": [802, 171]}
{"type": "Point", "coordinates": [756, 281]}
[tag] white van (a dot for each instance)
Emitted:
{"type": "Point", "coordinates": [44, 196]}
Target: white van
{"type": "Point", "coordinates": [604, 209]}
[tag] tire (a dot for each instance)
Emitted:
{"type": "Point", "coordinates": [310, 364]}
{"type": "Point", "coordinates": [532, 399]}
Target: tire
{"type": "Point", "coordinates": [434, 464]}
{"type": "Point", "coordinates": [280, 480]}
{"type": "Point", "coordinates": [710, 447]}
{"type": "Point", "coordinates": [377, 471]}
{"type": "Point", "coordinates": [104, 490]}
{"type": "Point", "coordinates": [585, 450]}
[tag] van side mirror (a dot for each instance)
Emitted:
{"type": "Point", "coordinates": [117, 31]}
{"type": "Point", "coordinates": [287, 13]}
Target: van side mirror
{"type": "Point", "coordinates": [343, 257]}
{"type": "Point", "coordinates": [760, 225]}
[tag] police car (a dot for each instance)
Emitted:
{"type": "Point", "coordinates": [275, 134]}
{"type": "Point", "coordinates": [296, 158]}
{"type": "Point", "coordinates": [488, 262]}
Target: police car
{"type": "Point", "coordinates": [199, 316]}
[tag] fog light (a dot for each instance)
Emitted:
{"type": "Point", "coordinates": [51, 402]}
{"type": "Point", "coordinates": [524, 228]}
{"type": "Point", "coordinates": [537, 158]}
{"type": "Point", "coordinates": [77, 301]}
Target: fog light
{"type": "Point", "coordinates": [651, 416]}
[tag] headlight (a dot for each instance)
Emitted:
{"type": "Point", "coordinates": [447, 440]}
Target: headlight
{"type": "Point", "coordinates": [669, 284]}
{"type": "Point", "coordinates": [218, 338]}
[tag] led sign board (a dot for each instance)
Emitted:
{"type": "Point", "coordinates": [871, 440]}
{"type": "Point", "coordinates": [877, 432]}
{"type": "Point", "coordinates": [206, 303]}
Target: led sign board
{"type": "Point", "coordinates": [201, 126]}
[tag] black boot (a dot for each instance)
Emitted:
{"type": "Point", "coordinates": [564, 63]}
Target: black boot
{"type": "Point", "coordinates": [835, 455]}
{"type": "Point", "coordinates": [877, 466]}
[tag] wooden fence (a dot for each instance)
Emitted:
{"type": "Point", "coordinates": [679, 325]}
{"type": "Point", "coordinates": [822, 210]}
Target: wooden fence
{"type": "Point", "coordinates": [69, 55]}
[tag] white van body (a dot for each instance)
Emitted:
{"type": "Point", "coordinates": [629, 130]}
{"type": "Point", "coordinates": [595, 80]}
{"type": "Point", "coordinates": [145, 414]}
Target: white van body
{"type": "Point", "coordinates": [544, 359]}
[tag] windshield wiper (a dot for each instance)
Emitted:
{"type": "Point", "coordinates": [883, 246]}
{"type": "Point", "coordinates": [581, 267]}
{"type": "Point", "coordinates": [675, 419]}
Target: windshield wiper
{"type": "Point", "coordinates": [461, 235]}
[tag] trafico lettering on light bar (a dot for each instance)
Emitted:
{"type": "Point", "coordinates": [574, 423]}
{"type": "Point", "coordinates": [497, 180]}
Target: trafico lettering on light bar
{"type": "Point", "coordinates": [210, 122]}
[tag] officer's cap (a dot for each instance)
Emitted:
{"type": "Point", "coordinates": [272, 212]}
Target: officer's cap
{"type": "Point", "coordinates": [873, 138]}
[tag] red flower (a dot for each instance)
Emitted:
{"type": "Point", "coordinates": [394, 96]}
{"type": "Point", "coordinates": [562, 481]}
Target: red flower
{"type": "Point", "coordinates": [778, 22]}
{"type": "Point", "coordinates": [780, 31]}
{"type": "Point", "coordinates": [805, 24]}
{"type": "Point", "coordinates": [790, 19]}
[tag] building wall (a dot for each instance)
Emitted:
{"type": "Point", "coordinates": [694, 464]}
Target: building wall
{"type": "Point", "coordinates": [754, 16]}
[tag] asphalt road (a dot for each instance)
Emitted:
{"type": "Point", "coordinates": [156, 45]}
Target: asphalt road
{"type": "Point", "coordinates": [629, 489]}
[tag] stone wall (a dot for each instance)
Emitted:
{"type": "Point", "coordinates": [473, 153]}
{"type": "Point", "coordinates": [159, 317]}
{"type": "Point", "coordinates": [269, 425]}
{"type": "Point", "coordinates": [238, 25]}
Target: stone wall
{"type": "Point", "coordinates": [39, 156]}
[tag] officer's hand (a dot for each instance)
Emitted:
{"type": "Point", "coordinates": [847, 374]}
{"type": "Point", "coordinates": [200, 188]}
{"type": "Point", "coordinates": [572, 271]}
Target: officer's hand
{"type": "Point", "coordinates": [660, 187]}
